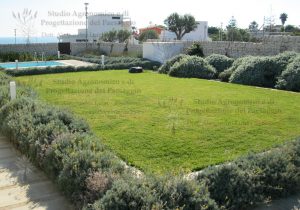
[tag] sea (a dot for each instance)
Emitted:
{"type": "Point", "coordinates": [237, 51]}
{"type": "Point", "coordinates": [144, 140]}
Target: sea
{"type": "Point", "coordinates": [23, 40]}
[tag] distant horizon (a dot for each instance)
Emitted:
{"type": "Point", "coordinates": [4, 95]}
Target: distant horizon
{"type": "Point", "coordinates": [23, 40]}
{"type": "Point", "coordinates": [56, 17]}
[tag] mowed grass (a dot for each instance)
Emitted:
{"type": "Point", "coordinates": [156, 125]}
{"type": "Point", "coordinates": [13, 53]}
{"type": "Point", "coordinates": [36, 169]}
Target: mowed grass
{"type": "Point", "coordinates": [162, 124]}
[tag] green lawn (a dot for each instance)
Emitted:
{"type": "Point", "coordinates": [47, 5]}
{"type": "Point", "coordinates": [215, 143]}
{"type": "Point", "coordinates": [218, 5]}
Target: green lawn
{"type": "Point", "coordinates": [163, 124]}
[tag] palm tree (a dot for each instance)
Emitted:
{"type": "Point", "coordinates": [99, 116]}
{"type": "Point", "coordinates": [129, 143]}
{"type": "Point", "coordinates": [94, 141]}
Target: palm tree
{"type": "Point", "coordinates": [283, 17]}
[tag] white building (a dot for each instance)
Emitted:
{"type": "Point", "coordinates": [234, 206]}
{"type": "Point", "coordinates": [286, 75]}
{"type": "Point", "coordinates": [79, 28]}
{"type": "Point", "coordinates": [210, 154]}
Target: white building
{"type": "Point", "coordinates": [97, 25]}
{"type": "Point", "coordinates": [199, 34]}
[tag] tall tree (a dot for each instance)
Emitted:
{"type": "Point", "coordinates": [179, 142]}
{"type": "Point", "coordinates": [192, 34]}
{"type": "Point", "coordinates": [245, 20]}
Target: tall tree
{"type": "Point", "coordinates": [253, 27]}
{"type": "Point", "coordinates": [123, 35]}
{"type": "Point", "coordinates": [232, 23]}
{"type": "Point", "coordinates": [232, 31]}
{"type": "Point", "coordinates": [180, 25]}
{"type": "Point", "coordinates": [283, 17]}
{"type": "Point", "coordinates": [148, 34]}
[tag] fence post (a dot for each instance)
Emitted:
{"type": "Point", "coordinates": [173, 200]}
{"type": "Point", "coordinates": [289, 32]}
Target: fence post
{"type": "Point", "coordinates": [17, 64]}
{"type": "Point", "coordinates": [13, 90]}
{"type": "Point", "coordinates": [102, 60]}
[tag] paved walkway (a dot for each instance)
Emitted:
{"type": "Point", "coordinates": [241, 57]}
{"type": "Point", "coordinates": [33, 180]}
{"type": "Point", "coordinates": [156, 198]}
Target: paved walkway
{"type": "Point", "coordinates": [76, 63]}
{"type": "Point", "coordinates": [23, 186]}
{"type": "Point", "coordinates": [290, 203]}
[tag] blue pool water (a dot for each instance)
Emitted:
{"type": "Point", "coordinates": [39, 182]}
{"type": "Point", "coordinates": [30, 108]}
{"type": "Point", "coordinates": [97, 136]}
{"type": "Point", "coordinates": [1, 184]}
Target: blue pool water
{"type": "Point", "coordinates": [31, 64]}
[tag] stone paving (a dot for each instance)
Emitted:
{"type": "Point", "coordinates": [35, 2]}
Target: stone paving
{"type": "Point", "coordinates": [23, 186]}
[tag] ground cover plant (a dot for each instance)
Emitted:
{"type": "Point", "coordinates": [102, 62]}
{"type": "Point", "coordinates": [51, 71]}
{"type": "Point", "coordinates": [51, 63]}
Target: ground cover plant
{"type": "Point", "coordinates": [159, 123]}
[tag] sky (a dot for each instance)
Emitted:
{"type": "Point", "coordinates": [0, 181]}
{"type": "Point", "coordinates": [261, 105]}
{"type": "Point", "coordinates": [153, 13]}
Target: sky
{"type": "Point", "coordinates": [141, 12]}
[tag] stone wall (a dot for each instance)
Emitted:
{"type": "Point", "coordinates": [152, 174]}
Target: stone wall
{"type": "Point", "coordinates": [117, 48]}
{"type": "Point", "coordinates": [271, 45]}
{"type": "Point", "coordinates": [159, 51]}
{"type": "Point", "coordinates": [48, 49]}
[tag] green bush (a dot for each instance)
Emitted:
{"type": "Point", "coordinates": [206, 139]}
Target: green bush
{"type": "Point", "coordinates": [260, 71]}
{"type": "Point", "coordinates": [282, 60]}
{"type": "Point", "coordinates": [255, 178]}
{"type": "Point", "coordinates": [149, 34]}
{"type": "Point", "coordinates": [51, 70]}
{"type": "Point", "coordinates": [57, 142]}
{"type": "Point", "coordinates": [290, 78]}
{"type": "Point", "coordinates": [220, 62]}
{"type": "Point", "coordinates": [195, 49]}
{"type": "Point", "coordinates": [225, 75]}
{"type": "Point", "coordinates": [165, 68]}
{"type": "Point", "coordinates": [180, 193]}
{"type": "Point", "coordinates": [116, 62]}
{"type": "Point", "coordinates": [128, 194]}
{"type": "Point", "coordinates": [257, 71]}
{"type": "Point", "coordinates": [192, 67]}
{"type": "Point", "coordinates": [156, 193]}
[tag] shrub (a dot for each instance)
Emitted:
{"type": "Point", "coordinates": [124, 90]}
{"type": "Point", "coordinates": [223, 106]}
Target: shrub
{"type": "Point", "coordinates": [195, 49]}
{"type": "Point", "coordinates": [261, 71]}
{"type": "Point", "coordinates": [230, 187]}
{"type": "Point", "coordinates": [192, 67]}
{"type": "Point", "coordinates": [255, 178]}
{"type": "Point", "coordinates": [290, 78]}
{"type": "Point", "coordinates": [224, 76]}
{"type": "Point", "coordinates": [126, 194]}
{"type": "Point", "coordinates": [98, 183]}
{"type": "Point", "coordinates": [59, 143]}
{"type": "Point", "coordinates": [256, 71]}
{"type": "Point", "coordinates": [283, 59]}
{"type": "Point", "coordinates": [149, 34]}
{"type": "Point", "coordinates": [180, 193]}
{"type": "Point", "coordinates": [117, 62]}
{"type": "Point", "coordinates": [156, 193]}
{"type": "Point", "coordinates": [220, 62]}
{"type": "Point", "coordinates": [165, 68]}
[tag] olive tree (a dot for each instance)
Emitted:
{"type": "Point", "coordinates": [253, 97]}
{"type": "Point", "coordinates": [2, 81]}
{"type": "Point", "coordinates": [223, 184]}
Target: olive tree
{"type": "Point", "coordinates": [180, 25]}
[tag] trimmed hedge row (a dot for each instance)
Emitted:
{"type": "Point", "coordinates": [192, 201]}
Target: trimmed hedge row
{"type": "Point", "coordinates": [84, 169]}
{"type": "Point", "coordinates": [51, 70]}
{"type": "Point", "coordinates": [255, 178]}
{"type": "Point", "coordinates": [94, 178]}
{"type": "Point", "coordinates": [115, 62]}
{"type": "Point", "coordinates": [280, 71]}
{"type": "Point", "coordinates": [110, 64]}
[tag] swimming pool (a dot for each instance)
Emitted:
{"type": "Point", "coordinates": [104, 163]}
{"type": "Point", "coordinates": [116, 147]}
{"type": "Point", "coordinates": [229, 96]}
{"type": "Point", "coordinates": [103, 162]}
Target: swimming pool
{"type": "Point", "coordinates": [31, 64]}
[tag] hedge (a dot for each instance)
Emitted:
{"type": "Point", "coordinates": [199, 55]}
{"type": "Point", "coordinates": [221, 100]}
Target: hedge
{"type": "Point", "coordinates": [114, 62]}
{"type": "Point", "coordinates": [192, 67]}
{"type": "Point", "coordinates": [93, 177]}
{"type": "Point", "coordinates": [165, 68]}
{"type": "Point", "coordinates": [257, 71]}
{"type": "Point", "coordinates": [290, 78]}
{"type": "Point", "coordinates": [255, 178]}
{"type": "Point", "coordinates": [220, 62]}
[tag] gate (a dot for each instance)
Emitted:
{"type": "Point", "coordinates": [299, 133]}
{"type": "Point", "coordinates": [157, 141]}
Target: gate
{"type": "Point", "coordinates": [64, 48]}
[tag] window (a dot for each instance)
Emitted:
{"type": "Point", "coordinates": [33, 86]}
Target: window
{"type": "Point", "coordinates": [116, 18]}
